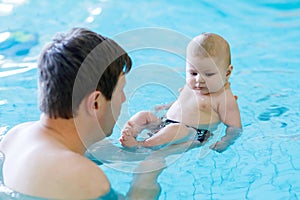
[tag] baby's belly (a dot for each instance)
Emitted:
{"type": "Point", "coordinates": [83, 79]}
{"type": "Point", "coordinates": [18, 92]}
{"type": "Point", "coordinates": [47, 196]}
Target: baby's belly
{"type": "Point", "coordinates": [193, 118]}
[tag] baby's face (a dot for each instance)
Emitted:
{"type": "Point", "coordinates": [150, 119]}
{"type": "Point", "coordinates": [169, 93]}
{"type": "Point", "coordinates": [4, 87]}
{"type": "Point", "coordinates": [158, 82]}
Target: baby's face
{"type": "Point", "coordinates": [205, 74]}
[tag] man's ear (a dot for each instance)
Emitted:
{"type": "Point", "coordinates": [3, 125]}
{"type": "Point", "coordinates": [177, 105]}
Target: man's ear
{"type": "Point", "coordinates": [229, 70]}
{"type": "Point", "coordinates": [93, 102]}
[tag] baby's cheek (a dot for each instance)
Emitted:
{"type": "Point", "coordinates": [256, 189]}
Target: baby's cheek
{"type": "Point", "coordinates": [214, 86]}
{"type": "Point", "coordinates": [190, 80]}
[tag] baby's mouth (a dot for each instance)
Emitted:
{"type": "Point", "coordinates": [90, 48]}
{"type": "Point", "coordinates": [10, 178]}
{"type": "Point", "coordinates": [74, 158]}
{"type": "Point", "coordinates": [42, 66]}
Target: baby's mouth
{"type": "Point", "coordinates": [200, 88]}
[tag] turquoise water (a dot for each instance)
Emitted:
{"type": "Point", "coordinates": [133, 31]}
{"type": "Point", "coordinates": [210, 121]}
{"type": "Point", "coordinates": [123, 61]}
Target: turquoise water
{"type": "Point", "coordinates": [264, 37]}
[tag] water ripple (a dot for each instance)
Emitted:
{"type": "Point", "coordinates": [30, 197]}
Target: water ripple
{"type": "Point", "coordinates": [272, 111]}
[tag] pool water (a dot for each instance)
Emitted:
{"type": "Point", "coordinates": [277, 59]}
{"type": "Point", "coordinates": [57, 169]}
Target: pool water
{"type": "Point", "coordinates": [264, 38]}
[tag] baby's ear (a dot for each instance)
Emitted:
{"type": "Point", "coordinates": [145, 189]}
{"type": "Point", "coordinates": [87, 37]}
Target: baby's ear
{"type": "Point", "coordinates": [229, 70]}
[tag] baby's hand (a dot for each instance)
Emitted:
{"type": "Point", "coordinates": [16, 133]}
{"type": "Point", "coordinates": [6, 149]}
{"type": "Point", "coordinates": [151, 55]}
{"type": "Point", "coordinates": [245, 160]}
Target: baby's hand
{"type": "Point", "coordinates": [220, 146]}
{"type": "Point", "coordinates": [162, 107]}
{"type": "Point", "coordinates": [159, 108]}
{"type": "Point", "coordinates": [232, 134]}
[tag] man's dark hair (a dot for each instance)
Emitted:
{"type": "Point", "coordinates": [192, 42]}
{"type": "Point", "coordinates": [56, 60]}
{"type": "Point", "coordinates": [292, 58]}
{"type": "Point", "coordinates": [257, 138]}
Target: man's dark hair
{"type": "Point", "coordinates": [75, 64]}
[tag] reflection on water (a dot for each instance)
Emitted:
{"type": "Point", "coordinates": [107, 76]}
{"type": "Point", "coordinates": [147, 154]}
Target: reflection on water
{"type": "Point", "coordinates": [17, 43]}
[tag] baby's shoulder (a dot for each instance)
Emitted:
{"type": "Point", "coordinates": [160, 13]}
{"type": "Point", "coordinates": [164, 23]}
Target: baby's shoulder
{"type": "Point", "coordinates": [227, 98]}
{"type": "Point", "coordinates": [227, 94]}
{"type": "Point", "coordinates": [224, 96]}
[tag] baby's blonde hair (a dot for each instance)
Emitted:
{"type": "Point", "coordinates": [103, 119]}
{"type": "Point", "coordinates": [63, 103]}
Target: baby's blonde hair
{"type": "Point", "coordinates": [210, 45]}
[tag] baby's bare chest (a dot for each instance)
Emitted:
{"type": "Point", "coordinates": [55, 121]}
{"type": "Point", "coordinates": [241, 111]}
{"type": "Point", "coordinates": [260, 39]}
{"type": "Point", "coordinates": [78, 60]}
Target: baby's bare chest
{"type": "Point", "coordinates": [193, 110]}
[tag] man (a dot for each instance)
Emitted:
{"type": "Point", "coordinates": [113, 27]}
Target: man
{"type": "Point", "coordinates": [81, 81]}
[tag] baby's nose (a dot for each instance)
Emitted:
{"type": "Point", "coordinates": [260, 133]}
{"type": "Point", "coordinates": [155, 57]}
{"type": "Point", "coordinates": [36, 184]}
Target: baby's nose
{"type": "Point", "coordinates": [199, 78]}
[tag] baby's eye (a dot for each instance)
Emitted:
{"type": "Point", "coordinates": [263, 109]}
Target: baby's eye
{"type": "Point", "coordinates": [194, 73]}
{"type": "Point", "coordinates": [209, 74]}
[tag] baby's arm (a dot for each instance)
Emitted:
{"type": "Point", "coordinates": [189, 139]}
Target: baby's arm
{"type": "Point", "coordinates": [163, 107]}
{"type": "Point", "coordinates": [230, 116]}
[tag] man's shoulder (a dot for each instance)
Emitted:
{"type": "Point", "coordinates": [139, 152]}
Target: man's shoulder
{"type": "Point", "coordinates": [9, 136]}
{"type": "Point", "coordinates": [75, 171]}
{"type": "Point", "coordinates": [19, 127]}
{"type": "Point", "coordinates": [78, 165]}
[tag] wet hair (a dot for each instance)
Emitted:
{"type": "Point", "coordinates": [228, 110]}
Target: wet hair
{"type": "Point", "coordinates": [210, 45]}
{"type": "Point", "coordinates": [75, 64]}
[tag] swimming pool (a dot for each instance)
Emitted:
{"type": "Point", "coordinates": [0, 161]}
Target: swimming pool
{"type": "Point", "coordinates": [264, 37]}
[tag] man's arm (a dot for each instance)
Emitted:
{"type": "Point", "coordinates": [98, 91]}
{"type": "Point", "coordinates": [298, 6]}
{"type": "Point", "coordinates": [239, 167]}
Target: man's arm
{"type": "Point", "coordinates": [144, 184]}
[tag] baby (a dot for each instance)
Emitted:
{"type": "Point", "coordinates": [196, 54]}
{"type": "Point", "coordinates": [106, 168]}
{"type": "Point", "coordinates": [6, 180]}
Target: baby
{"type": "Point", "coordinates": [204, 101]}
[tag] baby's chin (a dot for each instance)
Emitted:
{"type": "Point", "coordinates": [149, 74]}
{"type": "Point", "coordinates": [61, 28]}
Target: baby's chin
{"type": "Point", "coordinates": [203, 92]}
